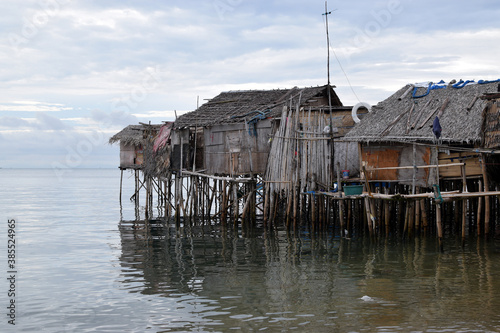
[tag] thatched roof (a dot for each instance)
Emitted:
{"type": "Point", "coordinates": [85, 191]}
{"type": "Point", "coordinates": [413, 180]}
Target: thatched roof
{"type": "Point", "coordinates": [233, 106]}
{"type": "Point", "coordinates": [461, 119]}
{"type": "Point", "coordinates": [132, 134]}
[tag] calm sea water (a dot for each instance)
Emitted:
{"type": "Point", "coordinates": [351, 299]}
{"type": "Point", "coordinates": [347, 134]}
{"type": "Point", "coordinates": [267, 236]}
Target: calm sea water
{"type": "Point", "coordinates": [83, 268]}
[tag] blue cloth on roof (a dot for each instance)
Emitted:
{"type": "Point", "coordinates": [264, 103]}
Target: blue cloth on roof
{"type": "Point", "coordinates": [432, 86]}
{"type": "Point", "coordinates": [424, 94]}
{"type": "Point", "coordinates": [440, 85]}
{"type": "Point", "coordinates": [487, 81]}
{"type": "Point", "coordinates": [462, 83]}
{"type": "Point", "coordinates": [436, 128]}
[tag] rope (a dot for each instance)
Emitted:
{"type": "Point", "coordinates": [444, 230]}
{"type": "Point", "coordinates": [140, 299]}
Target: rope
{"type": "Point", "coordinates": [425, 94]}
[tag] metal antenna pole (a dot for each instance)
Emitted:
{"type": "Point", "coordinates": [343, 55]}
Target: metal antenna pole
{"type": "Point", "coordinates": [327, 40]}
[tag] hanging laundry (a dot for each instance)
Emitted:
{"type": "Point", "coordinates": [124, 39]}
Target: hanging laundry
{"type": "Point", "coordinates": [436, 128]}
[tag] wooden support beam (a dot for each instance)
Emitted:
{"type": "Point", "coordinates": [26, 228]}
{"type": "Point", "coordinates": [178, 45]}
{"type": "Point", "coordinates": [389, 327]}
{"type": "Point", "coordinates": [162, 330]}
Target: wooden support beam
{"type": "Point", "coordinates": [391, 125]}
{"type": "Point", "coordinates": [229, 179]}
{"type": "Point", "coordinates": [418, 167]}
{"type": "Point", "coordinates": [410, 88]}
{"type": "Point", "coordinates": [408, 121]}
{"type": "Point", "coordinates": [471, 104]}
{"type": "Point", "coordinates": [420, 114]}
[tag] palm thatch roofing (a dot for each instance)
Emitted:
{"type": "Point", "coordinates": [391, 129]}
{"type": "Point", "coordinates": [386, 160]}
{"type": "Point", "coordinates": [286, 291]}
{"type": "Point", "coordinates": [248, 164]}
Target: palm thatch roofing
{"type": "Point", "coordinates": [132, 134]}
{"type": "Point", "coordinates": [408, 114]}
{"type": "Point", "coordinates": [234, 106]}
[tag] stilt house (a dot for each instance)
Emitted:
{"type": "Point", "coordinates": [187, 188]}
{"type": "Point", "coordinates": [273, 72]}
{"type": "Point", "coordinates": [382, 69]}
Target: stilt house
{"type": "Point", "coordinates": [429, 124]}
{"type": "Point", "coordinates": [133, 139]}
{"type": "Point", "coordinates": [233, 132]}
{"type": "Point", "coordinates": [272, 143]}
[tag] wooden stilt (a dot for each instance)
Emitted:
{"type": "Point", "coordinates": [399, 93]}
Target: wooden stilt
{"type": "Point", "coordinates": [387, 216]}
{"type": "Point", "coordinates": [479, 209]}
{"type": "Point", "coordinates": [417, 213]}
{"type": "Point", "coordinates": [486, 199]}
{"type": "Point", "coordinates": [423, 211]}
{"type": "Point", "coordinates": [464, 203]}
{"type": "Point", "coordinates": [439, 227]}
{"type": "Point", "coordinates": [341, 203]}
{"type": "Point", "coordinates": [121, 183]}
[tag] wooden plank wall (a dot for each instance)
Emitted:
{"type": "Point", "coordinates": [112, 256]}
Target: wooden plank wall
{"type": "Point", "coordinates": [384, 156]}
{"type": "Point", "coordinates": [471, 160]}
{"type": "Point", "coordinates": [227, 148]}
{"type": "Point", "coordinates": [127, 155]}
{"type": "Point", "coordinates": [175, 160]}
{"type": "Point", "coordinates": [492, 125]}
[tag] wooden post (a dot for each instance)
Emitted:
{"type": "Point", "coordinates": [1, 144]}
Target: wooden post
{"type": "Point", "coordinates": [486, 199]}
{"type": "Point", "coordinates": [387, 216]}
{"type": "Point", "coordinates": [341, 202]}
{"type": "Point", "coordinates": [411, 217]}
{"type": "Point", "coordinates": [479, 209]}
{"type": "Point", "coordinates": [423, 214]}
{"type": "Point", "coordinates": [121, 182]}
{"type": "Point", "coordinates": [369, 212]}
{"type": "Point", "coordinates": [417, 213]}
{"type": "Point", "coordinates": [414, 181]}
{"type": "Point", "coordinates": [223, 207]}
{"type": "Point", "coordinates": [407, 218]}
{"type": "Point", "coordinates": [368, 216]}
{"type": "Point", "coordinates": [439, 225]}
{"type": "Point", "coordinates": [464, 202]}
{"type": "Point", "coordinates": [236, 210]}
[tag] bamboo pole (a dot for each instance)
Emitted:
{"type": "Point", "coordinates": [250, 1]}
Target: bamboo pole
{"type": "Point", "coordinates": [414, 180]}
{"type": "Point", "coordinates": [411, 219]}
{"type": "Point", "coordinates": [439, 225]}
{"type": "Point", "coordinates": [231, 179]}
{"type": "Point", "coordinates": [369, 212]}
{"type": "Point", "coordinates": [423, 211]}
{"type": "Point", "coordinates": [417, 213]}
{"type": "Point", "coordinates": [417, 167]}
{"type": "Point", "coordinates": [486, 200]}
{"type": "Point", "coordinates": [386, 212]}
{"type": "Point", "coordinates": [121, 183]}
{"type": "Point", "coordinates": [464, 202]}
{"type": "Point", "coordinates": [479, 209]}
{"type": "Point", "coordinates": [341, 202]}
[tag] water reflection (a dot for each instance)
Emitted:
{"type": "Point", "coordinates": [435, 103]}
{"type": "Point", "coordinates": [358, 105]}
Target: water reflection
{"type": "Point", "coordinates": [274, 280]}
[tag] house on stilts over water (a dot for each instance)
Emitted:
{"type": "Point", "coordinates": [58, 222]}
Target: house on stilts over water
{"type": "Point", "coordinates": [433, 147]}
{"type": "Point", "coordinates": [249, 153]}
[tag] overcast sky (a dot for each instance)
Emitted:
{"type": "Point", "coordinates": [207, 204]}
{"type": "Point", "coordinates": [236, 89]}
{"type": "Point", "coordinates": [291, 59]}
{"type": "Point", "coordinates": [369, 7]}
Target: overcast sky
{"type": "Point", "coordinates": [75, 72]}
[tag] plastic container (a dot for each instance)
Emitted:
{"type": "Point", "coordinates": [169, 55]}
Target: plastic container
{"type": "Point", "coordinates": [353, 189]}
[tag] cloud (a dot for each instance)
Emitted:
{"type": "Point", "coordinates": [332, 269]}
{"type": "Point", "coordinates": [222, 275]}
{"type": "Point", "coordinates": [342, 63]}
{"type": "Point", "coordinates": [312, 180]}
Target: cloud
{"type": "Point", "coordinates": [46, 122]}
{"type": "Point", "coordinates": [113, 118]}
{"type": "Point", "coordinates": [81, 67]}
{"type": "Point", "coordinates": [41, 122]}
{"type": "Point", "coordinates": [13, 122]}
{"type": "Point", "coordinates": [32, 106]}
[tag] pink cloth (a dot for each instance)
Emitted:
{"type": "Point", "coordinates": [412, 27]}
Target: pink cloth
{"type": "Point", "coordinates": [162, 137]}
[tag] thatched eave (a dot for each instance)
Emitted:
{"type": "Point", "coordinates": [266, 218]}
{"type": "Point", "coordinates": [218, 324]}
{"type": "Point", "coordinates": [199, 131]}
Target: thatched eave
{"type": "Point", "coordinates": [236, 106]}
{"type": "Point", "coordinates": [461, 118]}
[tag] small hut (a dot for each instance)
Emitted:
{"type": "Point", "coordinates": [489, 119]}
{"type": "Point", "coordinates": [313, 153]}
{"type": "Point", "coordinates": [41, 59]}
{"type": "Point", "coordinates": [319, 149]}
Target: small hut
{"type": "Point", "coordinates": [131, 146]}
{"type": "Point", "coordinates": [136, 154]}
{"type": "Point", "coordinates": [435, 136]}
{"type": "Point", "coordinates": [405, 129]}
{"type": "Point", "coordinates": [238, 127]}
